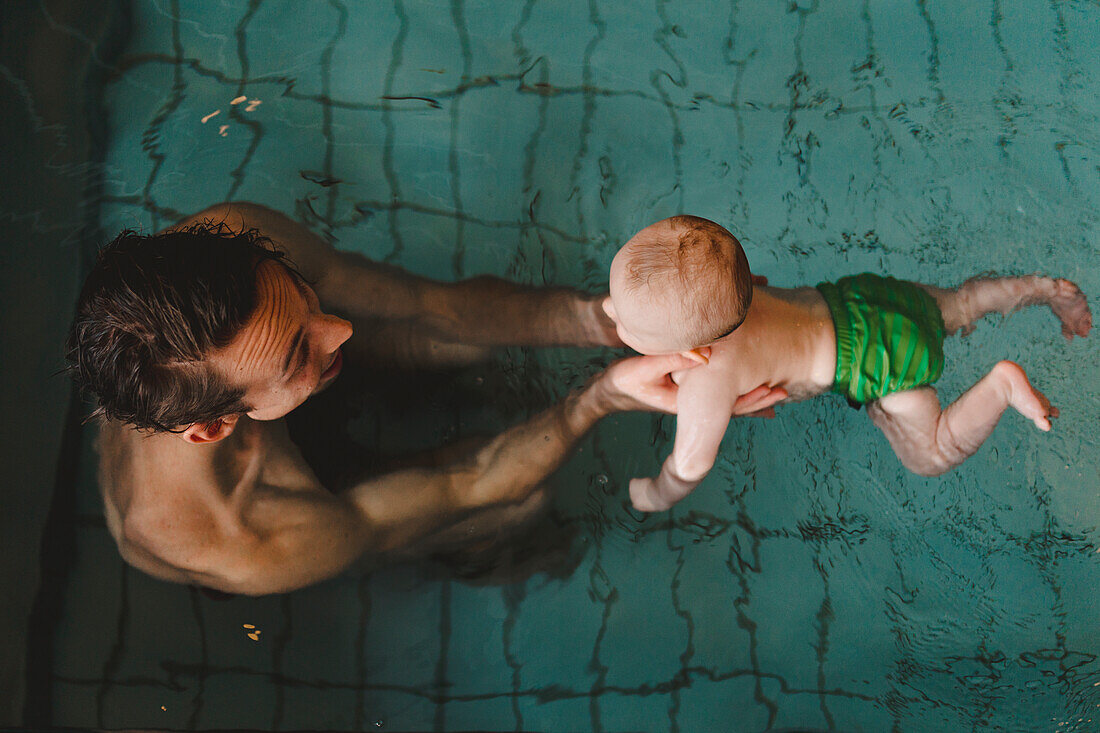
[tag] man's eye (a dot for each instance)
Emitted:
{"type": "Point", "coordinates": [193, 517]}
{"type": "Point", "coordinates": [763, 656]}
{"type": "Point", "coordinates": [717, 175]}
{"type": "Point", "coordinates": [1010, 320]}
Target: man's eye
{"type": "Point", "coordinates": [304, 359]}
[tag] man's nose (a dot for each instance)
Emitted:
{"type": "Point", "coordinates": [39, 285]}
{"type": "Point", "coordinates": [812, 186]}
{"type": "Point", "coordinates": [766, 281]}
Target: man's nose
{"type": "Point", "coordinates": [335, 331]}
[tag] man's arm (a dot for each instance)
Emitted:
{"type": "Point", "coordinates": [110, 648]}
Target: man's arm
{"type": "Point", "coordinates": [484, 311]}
{"type": "Point", "coordinates": [285, 539]}
{"type": "Point", "coordinates": [509, 468]}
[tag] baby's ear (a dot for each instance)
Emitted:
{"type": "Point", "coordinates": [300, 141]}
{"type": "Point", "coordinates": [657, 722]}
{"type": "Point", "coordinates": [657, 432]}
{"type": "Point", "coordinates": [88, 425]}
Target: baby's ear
{"type": "Point", "coordinates": [608, 307]}
{"type": "Point", "coordinates": [700, 355]}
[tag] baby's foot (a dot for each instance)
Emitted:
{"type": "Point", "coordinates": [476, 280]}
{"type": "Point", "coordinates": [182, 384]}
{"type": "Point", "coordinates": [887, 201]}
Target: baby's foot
{"type": "Point", "coordinates": [1069, 304]}
{"type": "Point", "coordinates": [644, 495]}
{"type": "Point", "coordinates": [1028, 401]}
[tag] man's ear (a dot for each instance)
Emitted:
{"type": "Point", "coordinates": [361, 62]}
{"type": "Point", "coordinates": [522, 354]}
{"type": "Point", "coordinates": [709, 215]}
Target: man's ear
{"type": "Point", "coordinates": [210, 432]}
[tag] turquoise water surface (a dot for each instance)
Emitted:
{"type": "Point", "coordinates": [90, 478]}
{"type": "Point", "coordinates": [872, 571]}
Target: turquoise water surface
{"type": "Point", "coordinates": [810, 582]}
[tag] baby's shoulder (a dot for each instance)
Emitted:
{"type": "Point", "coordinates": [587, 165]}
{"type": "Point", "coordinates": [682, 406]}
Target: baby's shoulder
{"type": "Point", "coordinates": [725, 354]}
{"type": "Point", "coordinates": [710, 375]}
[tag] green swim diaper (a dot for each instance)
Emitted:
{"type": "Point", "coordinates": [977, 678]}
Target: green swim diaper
{"type": "Point", "coordinates": [889, 336]}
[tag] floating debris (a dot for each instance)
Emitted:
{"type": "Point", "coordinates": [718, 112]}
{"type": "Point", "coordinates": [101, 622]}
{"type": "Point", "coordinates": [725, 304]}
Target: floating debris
{"type": "Point", "coordinates": [252, 105]}
{"type": "Point", "coordinates": [238, 100]}
{"type": "Point", "coordinates": [247, 626]}
{"type": "Point", "coordinates": [431, 102]}
{"type": "Point", "coordinates": [544, 89]}
{"type": "Point", "coordinates": [215, 113]}
{"type": "Point", "coordinates": [319, 178]}
{"type": "Point", "coordinates": [224, 130]}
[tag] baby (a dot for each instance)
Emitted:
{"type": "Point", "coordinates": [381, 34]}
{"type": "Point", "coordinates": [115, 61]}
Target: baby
{"type": "Point", "coordinates": [684, 283]}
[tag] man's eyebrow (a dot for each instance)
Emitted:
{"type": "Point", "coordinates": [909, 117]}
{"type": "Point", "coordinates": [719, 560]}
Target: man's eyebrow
{"type": "Point", "coordinates": [293, 349]}
{"type": "Point", "coordinates": [299, 281]}
{"type": "Point", "coordinates": [300, 284]}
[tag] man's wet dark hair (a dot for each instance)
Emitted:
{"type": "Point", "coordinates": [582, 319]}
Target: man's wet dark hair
{"type": "Point", "coordinates": [152, 308]}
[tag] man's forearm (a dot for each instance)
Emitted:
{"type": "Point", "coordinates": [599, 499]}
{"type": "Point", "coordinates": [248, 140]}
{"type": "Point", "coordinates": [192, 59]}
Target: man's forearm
{"type": "Point", "coordinates": [514, 463]}
{"type": "Point", "coordinates": [481, 311]}
{"type": "Point", "coordinates": [509, 467]}
{"type": "Point", "coordinates": [489, 311]}
{"type": "Point", "coordinates": [406, 506]}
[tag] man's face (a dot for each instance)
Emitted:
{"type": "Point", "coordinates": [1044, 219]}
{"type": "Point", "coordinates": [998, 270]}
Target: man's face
{"type": "Point", "coordinates": [288, 349]}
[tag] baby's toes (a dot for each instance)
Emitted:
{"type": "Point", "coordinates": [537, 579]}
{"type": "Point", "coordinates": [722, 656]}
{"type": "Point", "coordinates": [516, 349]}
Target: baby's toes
{"type": "Point", "coordinates": [1072, 308]}
{"type": "Point", "coordinates": [1044, 402]}
{"type": "Point", "coordinates": [1066, 288]}
{"type": "Point", "coordinates": [1041, 418]}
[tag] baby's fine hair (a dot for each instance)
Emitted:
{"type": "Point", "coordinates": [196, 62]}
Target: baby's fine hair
{"type": "Point", "coordinates": [706, 266]}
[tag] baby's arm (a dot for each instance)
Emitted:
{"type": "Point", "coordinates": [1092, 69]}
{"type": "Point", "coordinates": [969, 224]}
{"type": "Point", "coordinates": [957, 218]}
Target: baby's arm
{"type": "Point", "coordinates": [703, 412]}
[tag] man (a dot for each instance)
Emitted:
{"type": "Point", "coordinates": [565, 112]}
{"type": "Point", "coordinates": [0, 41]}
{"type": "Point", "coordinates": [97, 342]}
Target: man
{"type": "Point", "coordinates": [198, 340]}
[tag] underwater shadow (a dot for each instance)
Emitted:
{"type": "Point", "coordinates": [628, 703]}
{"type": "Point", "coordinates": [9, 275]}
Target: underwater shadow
{"type": "Point", "coordinates": [372, 421]}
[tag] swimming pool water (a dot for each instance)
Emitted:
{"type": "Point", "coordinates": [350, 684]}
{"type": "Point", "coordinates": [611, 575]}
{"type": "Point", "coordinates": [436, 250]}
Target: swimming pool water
{"type": "Point", "coordinates": [810, 582]}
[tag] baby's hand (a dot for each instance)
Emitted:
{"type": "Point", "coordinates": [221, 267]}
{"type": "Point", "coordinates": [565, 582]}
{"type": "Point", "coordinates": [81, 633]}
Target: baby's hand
{"type": "Point", "coordinates": [645, 497]}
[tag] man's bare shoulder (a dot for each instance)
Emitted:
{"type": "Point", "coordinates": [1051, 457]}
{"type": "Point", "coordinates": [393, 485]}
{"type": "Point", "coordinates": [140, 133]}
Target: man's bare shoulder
{"type": "Point", "coordinates": [173, 506]}
{"type": "Point", "coordinates": [236, 215]}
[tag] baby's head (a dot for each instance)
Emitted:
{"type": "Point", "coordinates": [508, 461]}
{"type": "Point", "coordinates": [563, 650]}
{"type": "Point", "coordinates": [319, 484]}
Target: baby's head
{"type": "Point", "coordinates": [678, 285]}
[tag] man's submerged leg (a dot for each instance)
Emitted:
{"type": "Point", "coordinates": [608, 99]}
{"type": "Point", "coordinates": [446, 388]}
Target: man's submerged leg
{"type": "Point", "coordinates": [930, 441]}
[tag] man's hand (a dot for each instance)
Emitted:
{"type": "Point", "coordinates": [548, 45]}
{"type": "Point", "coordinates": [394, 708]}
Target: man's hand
{"type": "Point", "coordinates": [758, 402]}
{"type": "Point", "coordinates": [642, 383]}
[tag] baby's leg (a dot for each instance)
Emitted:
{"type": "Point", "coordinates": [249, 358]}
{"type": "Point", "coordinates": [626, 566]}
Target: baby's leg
{"type": "Point", "coordinates": [981, 295]}
{"type": "Point", "coordinates": [929, 441]}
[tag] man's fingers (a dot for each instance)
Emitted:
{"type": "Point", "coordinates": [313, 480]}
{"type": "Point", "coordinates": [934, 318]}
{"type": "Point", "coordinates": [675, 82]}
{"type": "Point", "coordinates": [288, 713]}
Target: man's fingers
{"type": "Point", "coordinates": [750, 398]}
{"type": "Point", "coordinates": [666, 363]}
{"type": "Point", "coordinates": [756, 401]}
{"type": "Point", "coordinates": [646, 381]}
{"type": "Point", "coordinates": [661, 395]}
{"type": "Point", "coordinates": [665, 402]}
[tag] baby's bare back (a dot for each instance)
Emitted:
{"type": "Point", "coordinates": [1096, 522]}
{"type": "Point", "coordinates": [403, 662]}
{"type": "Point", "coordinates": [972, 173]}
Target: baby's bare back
{"type": "Point", "coordinates": [787, 340]}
